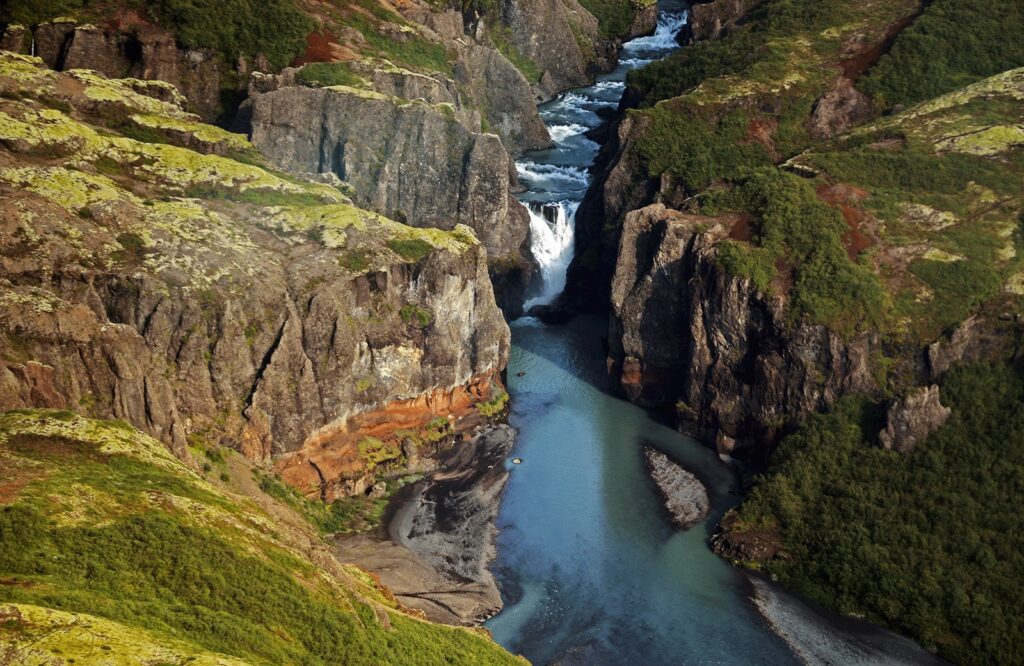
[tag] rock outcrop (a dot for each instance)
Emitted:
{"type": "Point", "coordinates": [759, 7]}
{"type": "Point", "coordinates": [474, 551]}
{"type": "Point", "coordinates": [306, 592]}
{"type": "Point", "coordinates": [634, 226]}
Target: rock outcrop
{"type": "Point", "coordinates": [442, 534]}
{"type": "Point", "coordinates": [711, 20]}
{"type": "Point", "coordinates": [132, 47]}
{"type": "Point", "coordinates": [197, 296]}
{"type": "Point", "coordinates": [560, 37]}
{"type": "Point", "coordinates": [912, 417]}
{"type": "Point", "coordinates": [684, 331]}
{"type": "Point", "coordinates": [685, 496]}
{"type": "Point", "coordinates": [839, 109]}
{"type": "Point", "coordinates": [412, 161]}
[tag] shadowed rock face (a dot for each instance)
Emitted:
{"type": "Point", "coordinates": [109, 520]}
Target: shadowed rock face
{"type": "Point", "coordinates": [685, 332]}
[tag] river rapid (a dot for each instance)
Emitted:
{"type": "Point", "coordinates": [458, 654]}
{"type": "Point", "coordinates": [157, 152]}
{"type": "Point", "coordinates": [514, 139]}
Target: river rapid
{"type": "Point", "coordinates": [589, 565]}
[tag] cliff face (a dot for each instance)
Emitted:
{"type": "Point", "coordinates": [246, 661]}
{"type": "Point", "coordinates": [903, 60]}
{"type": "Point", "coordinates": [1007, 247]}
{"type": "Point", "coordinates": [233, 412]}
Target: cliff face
{"type": "Point", "coordinates": [411, 161]}
{"type": "Point", "coordinates": [132, 47]}
{"type": "Point", "coordinates": [685, 331]}
{"type": "Point", "coordinates": [560, 37]}
{"type": "Point", "coordinates": [710, 20]}
{"type": "Point", "coordinates": [194, 295]}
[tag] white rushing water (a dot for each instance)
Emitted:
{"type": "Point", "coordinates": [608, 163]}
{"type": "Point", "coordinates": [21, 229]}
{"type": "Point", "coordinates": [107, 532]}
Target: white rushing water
{"type": "Point", "coordinates": [557, 178]}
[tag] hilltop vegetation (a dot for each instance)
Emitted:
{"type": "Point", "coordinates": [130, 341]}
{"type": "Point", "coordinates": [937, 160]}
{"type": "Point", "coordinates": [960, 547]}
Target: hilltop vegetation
{"type": "Point", "coordinates": [928, 543]}
{"type": "Point", "coordinates": [952, 44]}
{"type": "Point", "coordinates": [99, 521]}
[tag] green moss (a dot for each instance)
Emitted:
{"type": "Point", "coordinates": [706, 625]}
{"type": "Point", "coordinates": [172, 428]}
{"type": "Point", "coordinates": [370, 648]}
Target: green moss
{"type": "Point", "coordinates": [106, 524]}
{"type": "Point", "coordinates": [410, 249]}
{"type": "Point", "coordinates": [375, 453]}
{"type": "Point", "coordinates": [495, 406]}
{"type": "Point", "coordinates": [414, 314]}
{"type": "Point", "coordinates": [322, 74]}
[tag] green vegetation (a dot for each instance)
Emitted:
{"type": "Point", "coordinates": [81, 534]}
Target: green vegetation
{"type": "Point", "coordinates": [952, 44]}
{"type": "Point", "coordinates": [614, 17]}
{"type": "Point", "coordinates": [342, 516]}
{"type": "Point", "coordinates": [794, 228]}
{"type": "Point", "coordinates": [412, 50]}
{"type": "Point", "coordinates": [414, 314]}
{"type": "Point", "coordinates": [322, 74]}
{"type": "Point", "coordinates": [102, 520]}
{"type": "Point", "coordinates": [275, 28]}
{"type": "Point", "coordinates": [410, 249]}
{"type": "Point", "coordinates": [495, 406]}
{"type": "Point", "coordinates": [34, 12]}
{"type": "Point", "coordinates": [501, 37]}
{"type": "Point", "coordinates": [924, 543]}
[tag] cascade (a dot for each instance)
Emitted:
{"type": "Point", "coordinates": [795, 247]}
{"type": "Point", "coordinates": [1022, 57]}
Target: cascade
{"type": "Point", "coordinates": [557, 178]}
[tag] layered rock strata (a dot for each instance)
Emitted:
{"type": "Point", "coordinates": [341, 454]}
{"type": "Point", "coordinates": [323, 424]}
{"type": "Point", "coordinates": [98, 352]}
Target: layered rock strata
{"type": "Point", "coordinates": [194, 295]}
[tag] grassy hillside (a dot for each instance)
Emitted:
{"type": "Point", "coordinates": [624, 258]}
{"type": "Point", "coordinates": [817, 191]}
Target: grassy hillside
{"type": "Point", "coordinates": [109, 544]}
{"type": "Point", "coordinates": [908, 224]}
{"type": "Point", "coordinates": [928, 543]}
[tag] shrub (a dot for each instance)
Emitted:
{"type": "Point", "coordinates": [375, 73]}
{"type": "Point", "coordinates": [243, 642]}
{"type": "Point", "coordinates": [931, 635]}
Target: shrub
{"type": "Point", "coordinates": [275, 28]}
{"type": "Point", "coordinates": [924, 542]}
{"type": "Point", "coordinates": [952, 44]}
{"type": "Point", "coordinates": [792, 225]}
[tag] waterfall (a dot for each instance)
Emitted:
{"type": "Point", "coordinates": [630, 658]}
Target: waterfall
{"type": "Point", "coordinates": [557, 178]}
{"type": "Point", "coordinates": [551, 226]}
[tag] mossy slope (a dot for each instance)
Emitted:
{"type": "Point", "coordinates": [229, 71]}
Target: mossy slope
{"type": "Point", "coordinates": [111, 546]}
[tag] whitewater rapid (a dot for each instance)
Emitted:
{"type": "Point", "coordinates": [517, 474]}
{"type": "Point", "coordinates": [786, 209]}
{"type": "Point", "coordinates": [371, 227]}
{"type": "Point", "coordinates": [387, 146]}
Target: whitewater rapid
{"type": "Point", "coordinates": [557, 178]}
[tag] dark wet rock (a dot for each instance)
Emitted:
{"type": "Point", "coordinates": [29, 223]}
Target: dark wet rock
{"type": "Point", "coordinates": [685, 332]}
{"type": "Point", "coordinates": [912, 417]}
{"type": "Point", "coordinates": [685, 496]}
{"type": "Point", "coordinates": [441, 535]}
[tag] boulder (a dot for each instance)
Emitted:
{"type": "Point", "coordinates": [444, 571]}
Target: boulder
{"type": "Point", "coordinates": [912, 417]}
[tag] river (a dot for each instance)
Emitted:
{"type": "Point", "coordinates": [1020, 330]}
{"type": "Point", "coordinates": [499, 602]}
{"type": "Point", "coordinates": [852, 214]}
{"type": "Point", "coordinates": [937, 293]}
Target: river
{"type": "Point", "coordinates": [590, 568]}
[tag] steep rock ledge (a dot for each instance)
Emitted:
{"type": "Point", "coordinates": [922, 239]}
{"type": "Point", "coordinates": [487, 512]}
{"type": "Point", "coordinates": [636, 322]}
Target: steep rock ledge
{"type": "Point", "coordinates": [196, 296]}
{"type": "Point", "coordinates": [685, 332]}
{"type": "Point", "coordinates": [412, 161]}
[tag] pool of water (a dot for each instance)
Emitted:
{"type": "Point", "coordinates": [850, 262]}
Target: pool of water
{"type": "Point", "coordinates": [590, 567]}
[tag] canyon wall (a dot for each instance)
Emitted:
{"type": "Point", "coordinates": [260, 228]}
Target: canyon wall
{"type": "Point", "coordinates": [685, 332]}
{"type": "Point", "coordinates": [197, 296]}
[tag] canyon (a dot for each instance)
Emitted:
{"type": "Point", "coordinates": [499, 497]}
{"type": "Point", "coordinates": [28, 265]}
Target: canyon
{"type": "Point", "coordinates": [342, 260]}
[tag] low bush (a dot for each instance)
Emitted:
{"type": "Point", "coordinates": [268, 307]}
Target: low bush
{"type": "Point", "coordinates": [925, 543]}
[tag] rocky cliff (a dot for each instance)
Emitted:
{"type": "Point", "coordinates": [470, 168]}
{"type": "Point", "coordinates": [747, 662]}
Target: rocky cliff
{"type": "Point", "coordinates": [130, 46]}
{"type": "Point", "coordinates": [724, 301]}
{"type": "Point", "coordinates": [683, 331]}
{"type": "Point", "coordinates": [201, 296]}
{"type": "Point", "coordinates": [412, 161]}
